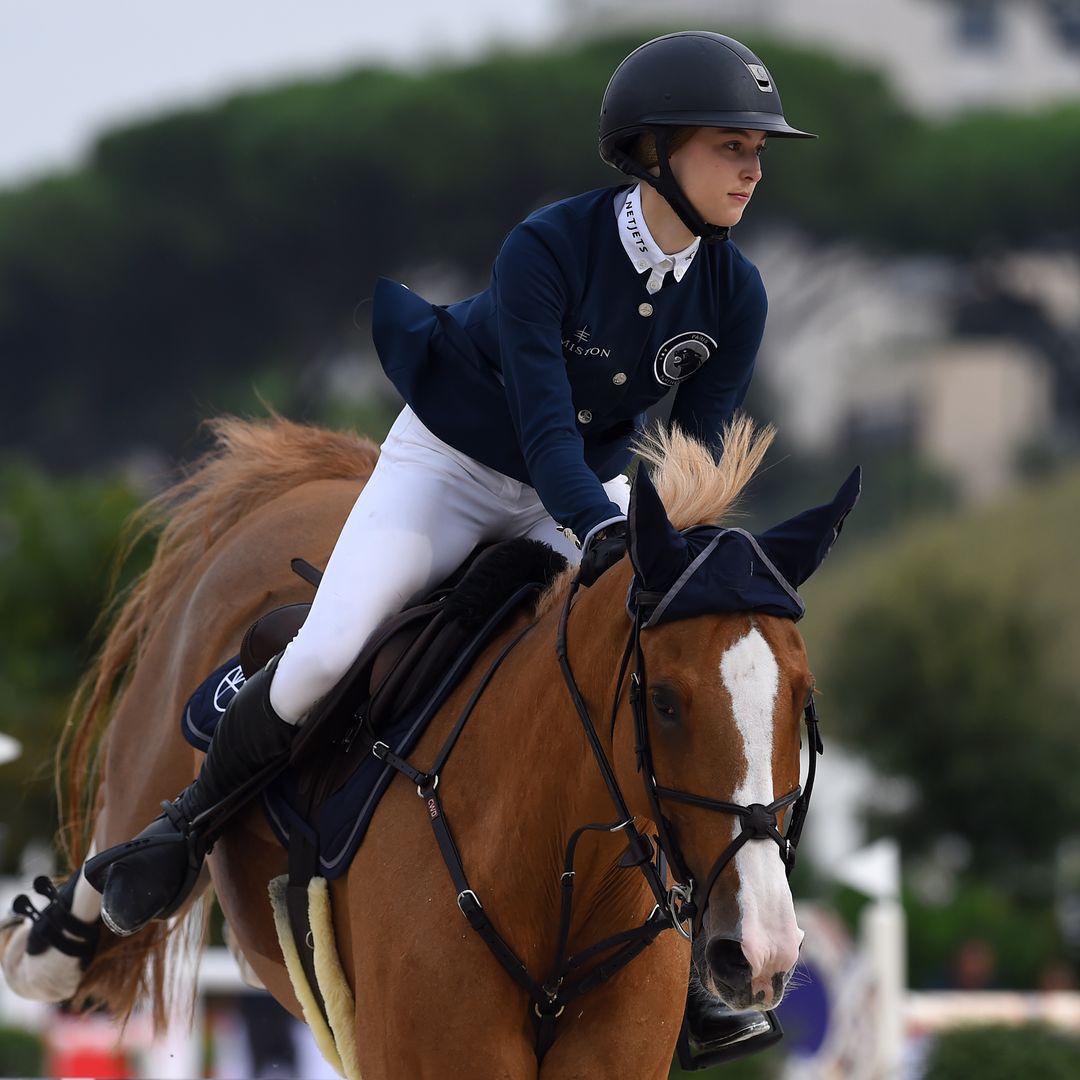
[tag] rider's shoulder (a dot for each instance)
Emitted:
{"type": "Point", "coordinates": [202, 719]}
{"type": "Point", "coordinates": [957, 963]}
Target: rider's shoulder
{"type": "Point", "coordinates": [736, 268]}
{"type": "Point", "coordinates": [579, 206]}
{"type": "Point", "coordinates": [567, 219]}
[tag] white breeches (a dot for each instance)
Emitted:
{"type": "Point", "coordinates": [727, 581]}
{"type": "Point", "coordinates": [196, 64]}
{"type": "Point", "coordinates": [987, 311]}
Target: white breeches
{"type": "Point", "coordinates": [424, 509]}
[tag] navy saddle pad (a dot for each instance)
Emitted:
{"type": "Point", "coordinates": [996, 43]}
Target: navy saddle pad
{"type": "Point", "coordinates": [340, 822]}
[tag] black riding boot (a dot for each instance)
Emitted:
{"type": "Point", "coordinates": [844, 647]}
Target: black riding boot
{"type": "Point", "coordinates": [151, 876]}
{"type": "Point", "coordinates": [714, 1035]}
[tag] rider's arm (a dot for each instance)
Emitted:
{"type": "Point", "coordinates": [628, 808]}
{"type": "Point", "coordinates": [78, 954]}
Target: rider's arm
{"type": "Point", "coordinates": [706, 401]}
{"type": "Point", "coordinates": [532, 300]}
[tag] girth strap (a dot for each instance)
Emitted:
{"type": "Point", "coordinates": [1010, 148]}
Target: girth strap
{"type": "Point", "coordinates": [469, 902]}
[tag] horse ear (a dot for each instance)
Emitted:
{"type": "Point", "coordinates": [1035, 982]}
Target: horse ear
{"type": "Point", "coordinates": [657, 550]}
{"type": "Point", "coordinates": [799, 545]}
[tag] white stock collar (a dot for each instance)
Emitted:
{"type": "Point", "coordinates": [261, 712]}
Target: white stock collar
{"type": "Point", "coordinates": [640, 247]}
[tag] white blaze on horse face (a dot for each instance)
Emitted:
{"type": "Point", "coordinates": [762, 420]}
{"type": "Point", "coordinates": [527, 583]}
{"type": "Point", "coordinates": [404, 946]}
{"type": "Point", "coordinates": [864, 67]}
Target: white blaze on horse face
{"type": "Point", "coordinates": [768, 932]}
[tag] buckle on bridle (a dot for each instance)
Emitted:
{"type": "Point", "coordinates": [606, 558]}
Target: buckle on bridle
{"type": "Point", "coordinates": [681, 908]}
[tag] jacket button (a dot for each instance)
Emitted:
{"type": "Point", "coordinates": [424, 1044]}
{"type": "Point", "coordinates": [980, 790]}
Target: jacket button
{"type": "Point", "coordinates": [645, 309]}
{"type": "Point", "coordinates": [584, 416]}
{"type": "Point", "coordinates": [619, 378]}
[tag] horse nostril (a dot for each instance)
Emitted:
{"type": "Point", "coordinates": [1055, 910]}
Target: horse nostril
{"type": "Point", "coordinates": [727, 962]}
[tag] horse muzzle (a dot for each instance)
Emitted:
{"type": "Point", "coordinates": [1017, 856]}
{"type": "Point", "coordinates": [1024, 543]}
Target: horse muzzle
{"type": "Point", "coordinates": [723, 969]}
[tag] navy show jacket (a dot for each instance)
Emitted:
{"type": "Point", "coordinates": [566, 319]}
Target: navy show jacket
{"type": "Point", "coordinates": [546, 374]}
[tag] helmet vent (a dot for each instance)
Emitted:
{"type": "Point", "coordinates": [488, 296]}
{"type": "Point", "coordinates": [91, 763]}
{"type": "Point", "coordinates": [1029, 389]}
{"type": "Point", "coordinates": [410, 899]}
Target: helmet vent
{"type": "Point", "coordinates": [761, 77]}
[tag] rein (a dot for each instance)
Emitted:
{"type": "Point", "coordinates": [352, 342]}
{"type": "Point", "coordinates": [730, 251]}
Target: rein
{"type": "Point", "coordinates": [675, 906]}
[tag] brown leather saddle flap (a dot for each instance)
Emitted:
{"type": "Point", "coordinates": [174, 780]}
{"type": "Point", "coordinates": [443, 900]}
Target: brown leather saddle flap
{"type": "Point", "coordinates": [387, 676]}
{"type": "Point", "coordinates": [270, 633]}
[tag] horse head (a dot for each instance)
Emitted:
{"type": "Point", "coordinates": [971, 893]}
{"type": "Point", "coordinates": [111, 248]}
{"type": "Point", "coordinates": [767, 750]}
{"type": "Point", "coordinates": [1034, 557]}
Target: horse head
{"type": "Point", "coordinates": [722, 689]}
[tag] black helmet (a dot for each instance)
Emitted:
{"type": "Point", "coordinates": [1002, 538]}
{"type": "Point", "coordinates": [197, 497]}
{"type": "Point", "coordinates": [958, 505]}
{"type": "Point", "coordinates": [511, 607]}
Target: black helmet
{"type": "Point", "coordinates": [694, 78]}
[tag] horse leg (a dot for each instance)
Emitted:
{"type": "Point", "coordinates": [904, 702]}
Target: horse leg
{"type": "Point", "coordinates": [626, 1027]}
{"type": "Point", "coordinates": [430, 1035]}
{"type": "Point", "coordinates": [143, 766]}
{"type": "Point", "coordinates": [432, 1003]}
{"type": "Point", "coordinates": [34, 966]}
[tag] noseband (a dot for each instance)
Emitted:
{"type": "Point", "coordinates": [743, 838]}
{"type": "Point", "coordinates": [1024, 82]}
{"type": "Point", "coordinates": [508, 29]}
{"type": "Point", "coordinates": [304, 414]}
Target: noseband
{"type": "Point", "coordinates": [759, 822]}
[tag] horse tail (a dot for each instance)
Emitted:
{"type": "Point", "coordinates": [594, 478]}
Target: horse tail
{"type": "Point", "coordinates": [249, 464]}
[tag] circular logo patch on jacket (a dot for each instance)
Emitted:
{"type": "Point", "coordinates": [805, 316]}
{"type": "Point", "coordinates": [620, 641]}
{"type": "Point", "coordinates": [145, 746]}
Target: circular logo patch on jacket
{"type": "Point", "coordinates": [679, 357]}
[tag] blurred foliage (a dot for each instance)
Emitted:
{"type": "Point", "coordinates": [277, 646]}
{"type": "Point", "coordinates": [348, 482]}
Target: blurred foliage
{"type": "Point", "coordinates": [990, 178]}
{"type": "Point", "coordinates": [954, 688]}
{"type": "Point", "coordinates": [903, 487]}
{"type": "Point", "coordinates": [764, 1065]}
{"type": "Point", "coordinates": [57, 540]}
{"type": "Point", "coordinates": [1021, 937]}
{"type": "Point", "coordinates": [201, 250]}
{"type": "Point", "coordinates": [945, 655]}
{"type": "Point", "coordinates": [22, 1053]}
{"type": "Point", "coordinates": [997, 1052]}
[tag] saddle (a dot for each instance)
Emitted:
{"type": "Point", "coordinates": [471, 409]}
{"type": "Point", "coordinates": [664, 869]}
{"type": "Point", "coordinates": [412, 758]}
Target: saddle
{"type": "Point", "coordinates": [394, 687]}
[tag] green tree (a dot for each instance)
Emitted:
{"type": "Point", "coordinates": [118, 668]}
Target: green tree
{"type": "Point", "coordinates": [997, 1052]}
{"type": "Point", "coordinates": [195, 251]}
{"type": "Point", "coordinates": [954, 688]}
{"type": "Point", "coordinates": [57, 539]}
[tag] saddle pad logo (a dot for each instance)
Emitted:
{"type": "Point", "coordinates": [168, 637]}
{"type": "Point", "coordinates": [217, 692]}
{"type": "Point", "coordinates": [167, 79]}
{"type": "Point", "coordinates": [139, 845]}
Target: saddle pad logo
{"type": "Point", "coordinates": [679, 357]}
{"type": "Point", "coordinates": [227, 688]}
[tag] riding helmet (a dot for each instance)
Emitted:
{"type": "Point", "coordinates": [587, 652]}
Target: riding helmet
{"type": "Point", "coordinates": [693, 78]}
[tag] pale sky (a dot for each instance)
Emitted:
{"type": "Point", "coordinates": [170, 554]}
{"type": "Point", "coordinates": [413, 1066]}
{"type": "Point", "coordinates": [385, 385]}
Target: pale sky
{"type": "Point", "coordinates": [69, 68]}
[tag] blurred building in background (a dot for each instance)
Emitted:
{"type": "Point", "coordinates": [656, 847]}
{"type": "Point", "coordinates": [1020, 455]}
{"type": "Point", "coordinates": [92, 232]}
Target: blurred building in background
{"type": "Point", "coordinates": [941, 56]}
{"type": "Point", "coordinates": [868, 347]}
{"type": "Point", "coordinates": [864, 348]}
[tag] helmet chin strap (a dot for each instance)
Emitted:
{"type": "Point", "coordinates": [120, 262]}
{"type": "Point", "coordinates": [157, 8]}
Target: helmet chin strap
{"type": "Point", "coordinates": [669, 188]}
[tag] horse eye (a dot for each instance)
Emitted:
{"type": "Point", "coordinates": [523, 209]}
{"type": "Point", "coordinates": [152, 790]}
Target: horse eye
{"type": "Point", "coordinates": [665, 702]}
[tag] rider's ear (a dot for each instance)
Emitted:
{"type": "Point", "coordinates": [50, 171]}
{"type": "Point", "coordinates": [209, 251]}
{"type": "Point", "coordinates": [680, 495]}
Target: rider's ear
{"type": "Point", "coordinates": [657, 550]}
{"type": "Point", "coordinates": [799, 545]}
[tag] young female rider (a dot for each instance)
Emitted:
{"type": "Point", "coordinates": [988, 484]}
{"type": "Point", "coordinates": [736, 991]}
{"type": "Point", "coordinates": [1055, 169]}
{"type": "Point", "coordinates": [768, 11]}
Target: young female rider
{"type": "Point", "coordinates": [522, 402]}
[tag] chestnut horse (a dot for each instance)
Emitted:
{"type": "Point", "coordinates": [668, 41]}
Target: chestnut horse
{"type": "Point", "coordinates": [727, 694]}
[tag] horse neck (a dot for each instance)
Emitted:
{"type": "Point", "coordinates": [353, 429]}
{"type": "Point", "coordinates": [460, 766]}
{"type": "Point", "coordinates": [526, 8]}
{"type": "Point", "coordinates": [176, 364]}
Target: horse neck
{"type": "Point", "coordinates": [559, 772]}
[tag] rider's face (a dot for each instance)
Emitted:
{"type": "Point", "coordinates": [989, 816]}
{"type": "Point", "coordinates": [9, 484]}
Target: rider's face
{"type": "Point", "coordinates": [719, 168]}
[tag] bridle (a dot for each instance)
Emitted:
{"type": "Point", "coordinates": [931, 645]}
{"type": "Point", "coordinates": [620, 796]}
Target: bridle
{"type": "Point", "coordinates": [759, 821]}
{"type": "Point", "coordinates": [573, 975]}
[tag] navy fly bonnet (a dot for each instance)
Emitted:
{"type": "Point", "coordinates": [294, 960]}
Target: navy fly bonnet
{"type": "Point", "coordinates": [709, 569]}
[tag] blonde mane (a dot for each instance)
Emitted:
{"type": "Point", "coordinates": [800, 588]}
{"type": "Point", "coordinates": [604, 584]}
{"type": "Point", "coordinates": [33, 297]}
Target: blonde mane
{"type": "Point", "coordinates": [694, 488]}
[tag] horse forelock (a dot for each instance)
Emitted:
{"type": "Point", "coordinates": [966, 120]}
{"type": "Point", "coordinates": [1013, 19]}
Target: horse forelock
{"type": "Point", "coordinates": [694, 487]}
